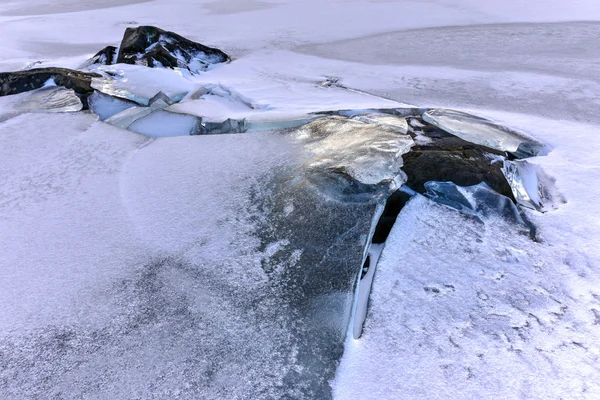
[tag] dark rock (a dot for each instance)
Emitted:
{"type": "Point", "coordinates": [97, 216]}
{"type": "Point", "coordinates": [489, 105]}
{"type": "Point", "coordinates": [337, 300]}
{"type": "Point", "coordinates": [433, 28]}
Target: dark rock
{"type": "Point", "coordinates": [444, 157]}
{"type": "Point", "coordinates": [154, 47]}
{"type": "Point", "coordinates": [23, 81]}
{"type": "Point", "coordinates": [106, 56]}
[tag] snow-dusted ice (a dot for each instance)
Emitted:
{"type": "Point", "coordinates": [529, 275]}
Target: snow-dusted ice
{"type": "Point", "coordinates": [224, 262]}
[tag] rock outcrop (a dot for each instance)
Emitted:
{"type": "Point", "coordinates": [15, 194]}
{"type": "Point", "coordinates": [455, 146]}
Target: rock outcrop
{"type": "Point", "coordinates": [154, 47]}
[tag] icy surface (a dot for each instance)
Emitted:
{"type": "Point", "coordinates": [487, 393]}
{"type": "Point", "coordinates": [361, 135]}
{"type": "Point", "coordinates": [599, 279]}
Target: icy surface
{"type": "Point", "coordinates": [463, 309]}
{"type": "Point", "coordinates": [399, 123]}
{"type": "Point", "coordinates": [481, 131]}
{"type": "Point", "coordinates": [95, 304]}
{"type": "Point", "coordinates": [127, 117]}
{"type": "Point", "coordinates": [460, 310]}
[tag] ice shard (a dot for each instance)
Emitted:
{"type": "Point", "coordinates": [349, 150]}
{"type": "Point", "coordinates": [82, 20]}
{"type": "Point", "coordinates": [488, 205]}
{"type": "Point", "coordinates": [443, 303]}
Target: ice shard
{"type": "Point", "coordinates": [531, 186]}
{"type": "Point", "coordinates": [481, 131]}
{"type": "Point", "coordinates": [162, 123]}
{"type": "Point", "coordinates": [51, 99]}
{"type": "Point", "coordinates": [105, 106]}
{"type": "Point", "coordinates": [353, 156]}
{"type": "Point", "coordinates": [479, 201]}
{"type": "Point", "coordinates": [127, 117]}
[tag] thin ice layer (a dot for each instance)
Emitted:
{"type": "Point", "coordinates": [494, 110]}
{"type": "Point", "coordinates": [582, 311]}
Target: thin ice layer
{"type": "Point", "coordinates": [189, 267]}
{"type": "Point", "coordinates": [478, 200]}
{"type": "Point", "coordinates": [484, 132]}
{"type": "Point", "coordinates": [397, 122]}
{"type": "Point", "coordinates": [127, 117]}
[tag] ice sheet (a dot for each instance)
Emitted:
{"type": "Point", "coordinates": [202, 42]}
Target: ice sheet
{"type": "Point", "coordinates": [195, 266]}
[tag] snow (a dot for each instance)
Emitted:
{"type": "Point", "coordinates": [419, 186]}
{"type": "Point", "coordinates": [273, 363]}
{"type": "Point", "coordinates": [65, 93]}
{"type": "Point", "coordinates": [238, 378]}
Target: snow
{"type": "Point", "coordinates": [156, 268]}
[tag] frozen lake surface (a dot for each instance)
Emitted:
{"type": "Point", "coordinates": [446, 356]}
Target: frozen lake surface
{"type": "Point", "coordinates": [225, 266]}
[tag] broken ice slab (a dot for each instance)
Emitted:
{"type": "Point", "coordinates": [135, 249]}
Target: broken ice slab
{"type": "Point", "coordinates": [479, 201]}
{"type": "Point", "coordinates": [531, 186]}
{"type": "Point", "coordinates": [51, 99]}
{"type": "Point", "coordinates": [481, 131]}
{"type": "Point", "coordinates": [163, 124]}
{"type": "Point", "coordinates": [352, 158]}
{"type": "Point", "coordinates": [140, 84]}
{"type": "Point", "coordinates": [105, 106]}
{"type": "Point", "coordinates": [125, 118]}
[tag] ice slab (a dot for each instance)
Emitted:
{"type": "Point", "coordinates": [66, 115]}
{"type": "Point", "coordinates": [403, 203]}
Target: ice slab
{"type": "Point", "coordinates": [481, 131]}
{"type": "Point", "coordinates": [127, 117]}
{"type": "Point", "coordinates": [209, 266]}
{"type": "Point", "coordinates": [479, 201]}
{"type": "Point", "coordinates": [51, 99]}
{"type": "Point", "coordinates": [105, 106]}
{"type": "Point", "coordinates": [163, 124]}
{"type": "Point", "coordinates": [355, 155]}
{"type": "Point", "coordinates": [227, 126]}
{"type": "Point", "coordinates": [531, 186]}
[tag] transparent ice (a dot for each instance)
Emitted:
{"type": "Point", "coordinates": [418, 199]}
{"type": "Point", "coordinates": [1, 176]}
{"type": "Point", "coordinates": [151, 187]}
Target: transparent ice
{"type": "Point", "coordinates": [484, 132]}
